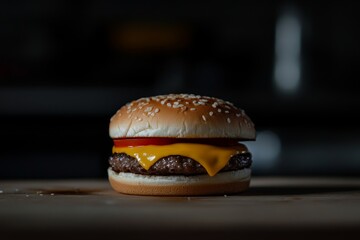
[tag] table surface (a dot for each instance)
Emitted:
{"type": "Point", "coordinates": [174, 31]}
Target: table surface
{"type": "Point", "coordinates": [273, 208]}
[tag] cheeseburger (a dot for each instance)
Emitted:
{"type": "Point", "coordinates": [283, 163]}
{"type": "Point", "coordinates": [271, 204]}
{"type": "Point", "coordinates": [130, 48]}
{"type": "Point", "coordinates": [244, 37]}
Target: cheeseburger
{"type": "Point", "coordinates": [180, 144]}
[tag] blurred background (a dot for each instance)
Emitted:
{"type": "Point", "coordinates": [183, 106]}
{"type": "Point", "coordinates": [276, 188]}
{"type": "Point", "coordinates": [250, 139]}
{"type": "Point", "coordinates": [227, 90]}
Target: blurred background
{"type": "Point", "coordinates": [66, 67]}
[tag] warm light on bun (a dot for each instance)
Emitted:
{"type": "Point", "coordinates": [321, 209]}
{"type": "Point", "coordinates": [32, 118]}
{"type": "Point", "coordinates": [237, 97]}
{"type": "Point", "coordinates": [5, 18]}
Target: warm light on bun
{"type": "Point", "coordinates": [180, 144]}
{"type": "Point", "coordinates": [181, 116]}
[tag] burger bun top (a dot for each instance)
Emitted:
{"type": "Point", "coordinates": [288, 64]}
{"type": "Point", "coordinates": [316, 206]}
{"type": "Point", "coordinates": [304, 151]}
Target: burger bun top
{"type": "Point", "coordinates": [181, 116]}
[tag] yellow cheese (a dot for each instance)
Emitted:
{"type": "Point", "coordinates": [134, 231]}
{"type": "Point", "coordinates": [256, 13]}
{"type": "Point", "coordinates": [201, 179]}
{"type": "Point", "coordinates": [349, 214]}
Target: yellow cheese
{"type": "Point", "coordinates": [212, 158]}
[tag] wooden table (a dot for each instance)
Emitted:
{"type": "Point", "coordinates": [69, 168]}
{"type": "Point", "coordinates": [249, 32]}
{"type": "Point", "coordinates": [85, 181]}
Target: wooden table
{"type": "Point", "coordinates": [273, 208]}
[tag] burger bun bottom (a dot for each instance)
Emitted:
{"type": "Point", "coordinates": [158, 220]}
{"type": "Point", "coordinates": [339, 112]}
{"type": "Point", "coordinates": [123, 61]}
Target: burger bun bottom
{"type": "Point", "coordinates": [222, 183]}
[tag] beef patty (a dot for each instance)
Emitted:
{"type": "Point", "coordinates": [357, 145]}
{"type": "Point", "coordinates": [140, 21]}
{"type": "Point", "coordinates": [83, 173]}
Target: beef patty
{"type": "Point", "coordinates": [174, 165]}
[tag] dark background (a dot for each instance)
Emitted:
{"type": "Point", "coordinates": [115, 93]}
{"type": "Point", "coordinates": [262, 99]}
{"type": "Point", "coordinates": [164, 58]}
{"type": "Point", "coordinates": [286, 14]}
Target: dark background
{"type": "Point", "coordinates": [66, 67]}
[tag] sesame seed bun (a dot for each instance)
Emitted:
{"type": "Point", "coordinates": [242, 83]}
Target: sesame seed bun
{"type": "Point", "coordinates": [222, 183]}
{"type": "Point", "coordinates": [181, 116]}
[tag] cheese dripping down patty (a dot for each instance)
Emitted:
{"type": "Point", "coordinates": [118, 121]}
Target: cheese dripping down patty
{"type": "Point", "coordinates": [212, 158]}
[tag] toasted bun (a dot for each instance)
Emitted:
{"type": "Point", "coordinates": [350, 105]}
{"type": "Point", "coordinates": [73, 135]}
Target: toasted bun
{"type": "Point", "coordinates": [222, 183]}
{"type": "Point", "coordinates": [181, 116]}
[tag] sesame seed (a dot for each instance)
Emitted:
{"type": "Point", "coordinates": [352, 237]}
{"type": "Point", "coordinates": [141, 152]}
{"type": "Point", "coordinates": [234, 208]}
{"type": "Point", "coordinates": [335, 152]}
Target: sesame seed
{"type": "Point", "coordinates": [148, 109]}
{"type": "Point", "coordinates": [211, 113]}
{"type": "Point", "coordinates": [178, 106]}
{"type": "Point", "coordinates": [204, 118]}
{"type": "Point", "coordinates": [192, 109]}
{"type": "Point", "coordinates": [152, 114]}
{"type": "Point", "coordinates": [238, 114]}
{"type": "Point", "coordinates": [186, 102]}
{"type": "Point", "coordinates": [227, 106]}
{"type": "Point", "coordinates": [168, 104]}
{"type": "Point", "coordinates": [228, 120]}
{"type": "Point", "coordinates": [226, 111]}
{"type": "Point", "coordinates": [176, 103]}
{"type": "Point", "coordinates": [219, 109]}
{"type": "Point", "coordinates": [139, 119]}
{"type": "Point", "coordinates": [156, 110]}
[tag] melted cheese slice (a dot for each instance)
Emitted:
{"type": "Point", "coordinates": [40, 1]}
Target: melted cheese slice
{"type": "Point", "coordinates": [212, 158]}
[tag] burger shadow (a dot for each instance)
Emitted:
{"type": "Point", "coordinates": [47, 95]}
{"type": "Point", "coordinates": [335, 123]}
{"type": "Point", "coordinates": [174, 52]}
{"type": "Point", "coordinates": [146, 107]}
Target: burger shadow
{"type": "Point", "coordinates": [298, 190]}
